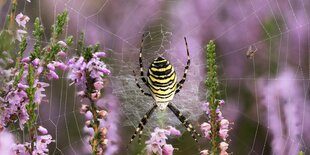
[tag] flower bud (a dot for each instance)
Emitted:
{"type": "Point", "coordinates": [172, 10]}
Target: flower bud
{"type": "Point", "coordinates": [61, 53]}
{"type": "Point", "coordinates": [103, 131]}
{"type": "Point", "coordinates": [81, 94]}
{"type": "Point", "coordinates": [84, 109]}
{"type": "Point", "coordinates": [204, 152]}
{"type": "Point", "coordinates": [224, 124]}
{"type": "Point", "coordinates": [42, 130]}
{"type": "Point", "coordinates": [36, 62]}
{"type": "Point", "coordinates": [100, 54]}
{"type": "Point", "coordinates": [223, 146]}
{"type": "Point", "coordinates": [96, 95]}
{"type": "Point", "coordinates": [102, 114]}
{"type": "Point", "coordinates": [98, 85]}
{"type": "Point", "coordinates": [88, 124]}
{"type": "Point", "coordinates": [104, 142]}
{"type": "Point", "coordinates": [62, 43]}
{"type": "Point", "coordinates": [88, 115]}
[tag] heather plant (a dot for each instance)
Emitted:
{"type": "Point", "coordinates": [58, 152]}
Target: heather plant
{"type": "Point", "coordinates": [217, 127]}
{"type": "Point", "coordinates": [88, 72]}
{"type": "Point", "coordinates": [24, 87]}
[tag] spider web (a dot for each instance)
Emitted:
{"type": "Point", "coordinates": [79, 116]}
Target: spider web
{"type": "Point", "coordinates": [268, 119]}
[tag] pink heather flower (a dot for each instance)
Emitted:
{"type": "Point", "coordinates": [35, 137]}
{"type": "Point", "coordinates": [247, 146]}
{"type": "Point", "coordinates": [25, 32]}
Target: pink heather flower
{"type": "Point", "coordinates": [36, 62]}
{"type": "Point", "coordinates": [84, 108]}
{"type": "Point", "coordinates": [26, 60]}
{"type": "Point", "coordinates": [224, 153]}
{"type": "Point", "coordinates": [42, 130]}
{"type": "Point", "coordinates": [154, 149]}
{"type": "Point", "coordinates": [77, 73]}
{"type": "Point", "coordinates": [97, 68]}
{"type": "Point", "coordinates": [20, 34]}
{"type": "Point", "coordinates": [96, 95]}
{"type": "Point", "coordinates": [99, 54]}
{"type": "Point", "coordinates": [223, 133]}
{"type": "Point", "coordinates": [38, 96]}
{"type": "Point", "coordinates": [221, 102]}
{"type": "Point", "coordinates": [23, 116]}
{"type": "Point", "coordinates": [98, 85]}
{"type": "Point", "coordinates": [16, 100]}
{"type": "Point", "coordinates": [223, 146]}
{"type": "Point", "coordinates": [206, 108]}
{"type": "Point", "coordinates": [22, 86]}
{"type": "Point", "coordinates": [173, 131]}
{"type": "Point", "coordinates": [19, 149]}
{"type": "Point", "coordinates": [204, 152]}
{"type": "Point", "coordinates": [22, 19]}
{"type": "Point", "coordinates": [60, 65]}
{"type": "Point", "coordinates": [102, 114]}
{"type": "Point", "coordinates": [51, 66]}
{"type": "Point", "coordinates": [52, 75]}
{"type": "Point", "coordinates": [168, 149]}
{"type": "Point", "coordinates": [62, 43]}
{"type": "Point", "coordinates": [206, 129]}
{"type": "Point", "coordinates": [88, 115]}
{"type": "Point", "coordinates": [224, 124]}
{"type": "Point", "coordinates": [157, 143]}
{"type": "Point", "coordinates": [39, 70]}
{"type": "Point", "coordinates": [81, 93]}
{"type": "Point", "coordinates": [219, 114]}
{"type": "Point", "coordinates": [41, 144]}
{"type": "Point", "coordinates": [61, 53]}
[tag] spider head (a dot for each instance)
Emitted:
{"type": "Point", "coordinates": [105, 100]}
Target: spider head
{"type": "Point", "coordinates": [160, 62]}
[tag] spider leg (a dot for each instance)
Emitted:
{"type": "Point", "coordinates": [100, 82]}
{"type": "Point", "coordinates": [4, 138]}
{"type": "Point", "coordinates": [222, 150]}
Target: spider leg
{"type": "Point", "coordinates": [140, 60]}
{"type": "Point", "coordinates": [140, 137]}
{"type": "Point", "coordinates": [137, 83]}
{"type": "Point", "coordinates": [180, 84]}
{"type": "Point", "coordinates": [189, 127]}
{"type": "Point", "coordinates": [142, 123]}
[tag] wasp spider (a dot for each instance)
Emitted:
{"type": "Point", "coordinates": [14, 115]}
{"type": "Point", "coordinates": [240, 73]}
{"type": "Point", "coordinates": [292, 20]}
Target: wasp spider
{"type": "Point", "coordinates": [162, 83]}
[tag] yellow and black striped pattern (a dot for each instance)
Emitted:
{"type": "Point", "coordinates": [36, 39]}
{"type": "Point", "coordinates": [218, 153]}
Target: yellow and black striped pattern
{"type": "Point", "coordinates": [162, 80]}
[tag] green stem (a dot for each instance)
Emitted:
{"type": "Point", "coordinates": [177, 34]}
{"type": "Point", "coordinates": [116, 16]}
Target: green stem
{"type": "Point", "coordinates": [212, 85]}
{"type": "Point", "coordinates": [31, 107]}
